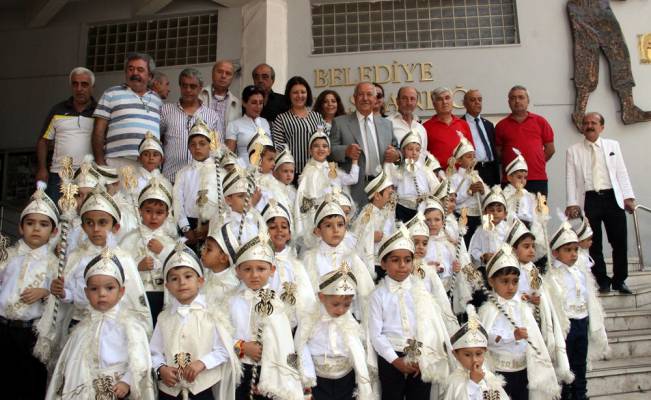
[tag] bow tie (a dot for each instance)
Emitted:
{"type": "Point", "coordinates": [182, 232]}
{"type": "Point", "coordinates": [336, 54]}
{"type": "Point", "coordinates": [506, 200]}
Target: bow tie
{"type": "Point", "coordinates": [184, 310]}
{"type": "Point", "coordinates": [96, 316]}
{"type": "Point", "coordinates": [397, 286]}
{"type": "Point", "coordinates": [410, 165]}
{"type": "Point", "coordinates": [250, 294]}
{"type": "Point", "coordinates": [25, 250]}
{"type": "Point", "coordinates": [198, 164]}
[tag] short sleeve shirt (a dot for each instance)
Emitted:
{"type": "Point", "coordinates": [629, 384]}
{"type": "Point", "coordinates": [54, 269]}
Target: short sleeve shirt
{"type": "Point", "coordinates": [443, 138]}
{"type": "Point", "coordinates": [528, 136]}
{"type": "Point", "coordinates": [130, 117]}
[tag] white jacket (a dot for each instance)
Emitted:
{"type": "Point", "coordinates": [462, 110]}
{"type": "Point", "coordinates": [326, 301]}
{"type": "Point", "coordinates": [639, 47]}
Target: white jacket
{"type": "Point", "coordinates": [577, 161]}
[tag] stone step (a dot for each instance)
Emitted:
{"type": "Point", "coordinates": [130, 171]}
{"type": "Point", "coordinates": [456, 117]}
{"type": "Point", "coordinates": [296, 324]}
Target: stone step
{"type": "Point", "coordinates": [639, 277]}
{"type": "Point", "coordinates": [627, 319]}
{"type": "Point", "coordinates": [614, 300]}
{"type": "Point", "coordinates": [645, 395]}
{"type": "Point", "coordinates": [623, 375]}
{"type": "Point", "coordinates": [630, 343]}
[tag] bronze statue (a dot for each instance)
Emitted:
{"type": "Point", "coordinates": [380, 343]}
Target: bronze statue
{"type": "Point", "coordinates": [595, 28]}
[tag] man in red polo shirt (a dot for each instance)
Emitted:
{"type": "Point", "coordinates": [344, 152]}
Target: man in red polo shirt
{"type": "Point", "coordinates": [443, 128]}
{"type": "Point", "coordinates": [528, 132]}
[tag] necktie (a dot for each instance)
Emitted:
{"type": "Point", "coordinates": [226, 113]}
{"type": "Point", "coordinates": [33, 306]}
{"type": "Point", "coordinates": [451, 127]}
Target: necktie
{"type": "Point", "coordinates": [487, 148]}
{"type": "Point", "coordinates": [595, 172]}
{"type": "Point", "coordinates": [372, 158]}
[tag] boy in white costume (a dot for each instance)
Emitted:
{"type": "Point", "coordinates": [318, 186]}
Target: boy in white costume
{"type": "Point", "coordinates": [25, 275]}
{"type": "Point", "coordinates": [584, 232]}
{"type": "Point", "coordinates": [242, 219]}
{"type": "Point", "coordinates": [217, 259]}
{"type": "Point", "coordinates": [515, 345]}
{"type": "Point", "coordinates": [471, 380]}
{"type": "Point", "coordinates": [405, 326]}
{"type": "Point", "coordinates": [190, 347]}
{"type": "Point", "coordinates": [107, 354]}
{"type": "Point", "coordinates": [284, 169]}
{"type": "Point", "coordinates": [129, 220]}
{"type": "Point", "coordinates": [263, 337]}
{"type": "Point", "coordinates": [330, 342]}
{"type": "Point", "coordinates": [151, 159]}
{"type": "Point", "coordinates": [577, 292]}
{"type": "Point", "coordinates": [489, 236]}
{"type": "Point", "coordinates": [151, 243]}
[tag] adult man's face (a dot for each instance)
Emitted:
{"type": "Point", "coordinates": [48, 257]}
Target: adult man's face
{"type": "Point", "coordinates": [407, 101]}
{"type": "Point", "coordinates": [162, 87]}
{"type": "Point", "coordinates": [222, 76]}
{"type": "Point", "coordinates": [82, 90]}
{"type": "Point", "coordinates": [473, 102]}
{"type": "Point", "coordinates": [262, 78]}
{"type": "Point", "coordinates": [137, 75]}
{"type": "Point", "coordinates": [592, 127]}
{"type": "Point", "coordinates": [190, 89]}
{"type": "Point", "coordinates": [443, 103]}
{"type": "Point", "coordinates": [518, 101]}
{"type": "Point", "coordinates": [365, 98]}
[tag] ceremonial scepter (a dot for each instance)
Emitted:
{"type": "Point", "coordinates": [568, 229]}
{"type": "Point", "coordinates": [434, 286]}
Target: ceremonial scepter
{"type": "Point", "coordinates": [543, 212]}
{"type": "Point", "coordinates": [4, 241]}
{"type": "Point", "coordinates": [463, 220]}
{"type": "Point", "coordinates": [263, 308]}
{"type": "Point", "coordinates": [255, 159]}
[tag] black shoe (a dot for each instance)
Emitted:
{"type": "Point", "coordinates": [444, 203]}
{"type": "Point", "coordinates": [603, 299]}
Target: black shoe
{"type": "Point", "coordinates": [623, 289]}
{"type": "Point", "coordinates": [604, 288]}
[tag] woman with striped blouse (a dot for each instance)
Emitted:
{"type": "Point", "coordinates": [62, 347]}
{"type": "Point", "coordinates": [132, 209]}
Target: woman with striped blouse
{"type": "Point", "coordinates": [293, 128]}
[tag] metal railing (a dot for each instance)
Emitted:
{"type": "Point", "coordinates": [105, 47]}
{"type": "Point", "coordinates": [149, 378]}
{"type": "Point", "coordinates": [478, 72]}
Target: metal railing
{"type": "Point", "coordinates": [637, 233]}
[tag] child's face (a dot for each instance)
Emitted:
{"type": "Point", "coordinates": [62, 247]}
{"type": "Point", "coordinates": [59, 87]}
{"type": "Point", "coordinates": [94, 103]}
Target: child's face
{"type": "Point", "coordinates": [335, 305]}
{"type": "Point", "coordinates": [518, 178]}
{"type": "Point", "coordinates": [420, 243]}
{"type": "Point", "coordinates": [199, 147]}
{"type": "Point", "coordinates": [81, 195]}
{"type": "Point", "coordinates": [331, 229]}
{"type": "Point", "coordinates": [526, 250]}
{"type": "Point", "coordinates": [97, 225]}
{"type": "Point", "coordinates": [347, 210]}
{"type": "Point", "coordinates": [497, 210]}
{"type": "Point", "coordinates": [383, 197]}
{"type": "Point", "coordinates": [184, 284]}
{"type": "Point", "coordinates": [267, 163]}
{"type": "Point", "coordinates": [586, 243]}
{"type": "Point", "coordinates": [434, 220]}
{"type": "Point", "coordinates": [255, 273]}
{"type": "Point", "coordinates": [236, 202]}
{"type": "Point", "coordinates": [398, 264]}
{"type": "Point", "coordinates": [153, 213]}
{"type": "Point", "coordinates": [150, 160]}
{"type": "Point", "coordinates": [505, 285]}
{"type": "Point", "coordinates": [466, 160]}
{"type": "Point", "coordinates": [103, 292]}
{"type": "Point", "coordinates": [285, 173]}
{"type": "Point", "coordinates": [279, 232]}
{"type": "Point", "coordinates": [470, 358]}
{"type": "Point", "coordinates": [36, 230]}
{"type": "Point", "coordinates": [319, 150]}
{"type": "Point", "coordinates": [450, 202]}
{"type": "Point", "coordinates": [567, 253]}
{"type": "Point", "coordinates": [411, 151]}
{"type": "Point", "coordinates": [213, 257]}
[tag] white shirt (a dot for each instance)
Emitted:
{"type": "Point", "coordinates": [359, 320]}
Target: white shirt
{"type": "Point", "coordinates": [575, 290]}
{"type": "Point", "coordinates": [401, 128]}
{"type": "Point", "coordinates": [186, 188]}
{"type": "Point", "coordinates": [504, 329]}
{"type": "Point", "coordinates": [476, 390]}
{"type": "Point", "coordinates": [113, 342]}
{"type": "Point", "coordinates": [28, 268]}
{"type": "Point", "coordinates": [602, 177]}
{"type": "Point", "coordinates": [461, 181]}
{"type": "Point", "coordinates": [406, 188]}
{"type": "Point", "coordinates": [243, 130]}
{"type": "Point", "coordinates": [367, 147]}
{"type": "Point", "coordinates": [480, 152]}
{"type": "Point", "coordinates": [487, 241]}
{"type": "Point", "coordinates": [242, 316]}
{"type": "Point", "coordinates": [524, 205]}
{"type": "Point", "coordinates": [439, 249]}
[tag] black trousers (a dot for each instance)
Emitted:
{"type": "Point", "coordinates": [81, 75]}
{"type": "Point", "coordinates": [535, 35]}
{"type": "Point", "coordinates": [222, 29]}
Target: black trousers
{"type": "Point", "coordinates": [602, 208]}
{"type": "Point", "coordinates": [156, 303]}
{"type": "Point", "coordinates": [516, 384]}
{"type": "Point", "coordinates": [205, 395]}
{"type": "Point", "coordinates": [489, 172]}
{"type": "Point", "coordinates": [404, 214]}
{"type": "Point", "coordinates": [395, 386]}
{"type": "Point", "coordinates": [335, 389]}
{"type": "Point", "coordinates": [473, 224]}
{"type": "Point", "coordinates": [577, 354]}
{"type": "Point", "coordinates": [194, 223]}
{"type": "Point", "coordinates": [242, 392]}
{"type": "Point", "coordinates": [25, 376]}
{"type": "Point", "coordinates": [537, 187]}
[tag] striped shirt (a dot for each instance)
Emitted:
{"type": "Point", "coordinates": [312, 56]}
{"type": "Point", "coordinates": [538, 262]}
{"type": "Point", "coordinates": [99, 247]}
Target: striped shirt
{"type": "Point", "coordinates": [293, 131]}
{"type": "Point", "coordinates": [130, 117]}
{"type": "Point", "coordinates": [175, 126]}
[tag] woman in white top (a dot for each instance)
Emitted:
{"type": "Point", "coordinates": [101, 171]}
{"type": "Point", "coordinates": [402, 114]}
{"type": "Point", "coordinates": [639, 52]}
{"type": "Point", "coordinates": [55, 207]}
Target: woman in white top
{"type": "Point", "coordinates": [240, 132]}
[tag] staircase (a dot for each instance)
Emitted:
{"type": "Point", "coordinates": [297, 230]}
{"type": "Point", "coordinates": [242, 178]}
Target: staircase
{"type": "Point", "coordinates": [626, 374]}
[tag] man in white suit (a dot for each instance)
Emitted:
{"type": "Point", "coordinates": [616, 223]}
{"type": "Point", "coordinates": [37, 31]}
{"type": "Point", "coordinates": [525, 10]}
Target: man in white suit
{"type": "Point", "coordinates": [363, 136]}
{"type": "Point", "coordinates": [598, 183]}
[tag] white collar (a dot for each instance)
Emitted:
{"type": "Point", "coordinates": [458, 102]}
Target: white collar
{"type": "Point", "coordinates": [588, 143]}
{"type": "Point", "coordinates": [199, 301]}
{"type": "Point", "coordinates": [24, 249]}
{"type": "Point", "coordinates": [360, 117]}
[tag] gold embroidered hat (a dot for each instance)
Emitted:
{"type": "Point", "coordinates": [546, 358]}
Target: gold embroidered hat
{"type": "Point", "coordinates": [100, 200]}
{"type": "Point", "coordinates": [182, 256]}
{"type": "Point", "coordinates": [339, 282]}
{"type": "Point", "coordinates": [464, 146]}
{"type": "Point", "coordinates": [235, 181]}
{"type": "Point", "coordinates": [398, 240]}
{"type": "Point", "coordinates": [563, 235]}
{"type": "Point", "coordinates": [150, 142]}
{"type": "Point", "coordinates": [443, 189]}
{"type": "Point", "coordinates": [40, 203]}
{"type": "Point", "coordinates": [431, 204]}
{"type": "Point", "coordinates": [494, 196]}
{"type": "Point", "coordinates": [471, 334]}
{"type": "Point", "coordinates": [108, 175]}
{"type": "Point", "coordinates": [227, 241]}
{"type": "Point", "coordinates": [583, 230]}
{"type": "Point", "coordinates": [284, 157]}
{"type": "Point", "coordinates": [86, 176]}
{"type": "Point", "coordinates": [431, 162]}
{"type": "Point", "coordinates": [517, 164]}
{"type": "Point", "coordinates": [411, 137]}
{"type": "Point", "coordinates": [327, 208]}
{"type": "Point", "coordinates": [318, 134]}
{"type": "Point", "coordinates": [341, 198]}
{"type": "Point", "coordinates": [156, 189]}
{"type": "Point", "coordinates": [275, 209]}
{"type": "Point", "coordinates": [417, 226]}
{"type": "Point", "coordinates": [258, 248]}
{"type": "Point", "coordinates": [229, 158]}
{"type": "Point", "coordinates": [378, 184]}
{"type": "Point", "coordinates": [516, 231]}
{"type": "Point", "coordinates": [202, 129]}
{"type": "Point", "coordinates": [503, 258]}
{"type": "Point", "coordinates": [260, 137]}
{"type": "Point", "coordinates": [106, 263]}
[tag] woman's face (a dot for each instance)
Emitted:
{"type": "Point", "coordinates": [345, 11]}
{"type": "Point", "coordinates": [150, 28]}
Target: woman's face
{"type": "Point", "coordinates": [379, 102]}
{"type": "Point", "coordinates": [298, 95]}
{"type": "Point", "coordinates": [329, 105]}
{"type": "Point", "coordinates": [253, 107]}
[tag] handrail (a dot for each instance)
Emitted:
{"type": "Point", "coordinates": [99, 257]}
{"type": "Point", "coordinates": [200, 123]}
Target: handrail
{"type": "Point", "coordinates": [637, 233]}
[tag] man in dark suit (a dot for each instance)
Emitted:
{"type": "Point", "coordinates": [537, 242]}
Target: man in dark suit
{"type": "Point", "coordinates": [274, 103]}
{"type": "Point", "coordinates": [364, 136]}
{"type": "Point", "coordinates": [483, 135]}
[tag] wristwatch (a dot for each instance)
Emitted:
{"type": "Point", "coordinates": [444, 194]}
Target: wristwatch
{"type": "Point", "coordinates": [158, 377]}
